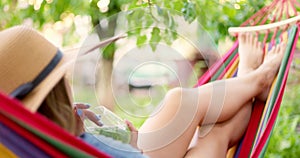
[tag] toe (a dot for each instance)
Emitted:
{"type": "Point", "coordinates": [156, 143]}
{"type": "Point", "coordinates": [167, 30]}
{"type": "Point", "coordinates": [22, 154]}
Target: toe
{"type": "Point", "coordinates": [255, 41]}
{"type": "Point", "coordinates": [248, 37]}
{"type": "Point", "coordinates": [277, 49]}
{"type": "Point", "coordinates": [259, 45]}
{"type": "Point", "coordinates": [272, 50]}
{"type": "Point", "coordinates": [242, 37]}
{"type": "Point", "coordinates": [251, 39]}
{"type": "Point", "coordinates": [282, 48]}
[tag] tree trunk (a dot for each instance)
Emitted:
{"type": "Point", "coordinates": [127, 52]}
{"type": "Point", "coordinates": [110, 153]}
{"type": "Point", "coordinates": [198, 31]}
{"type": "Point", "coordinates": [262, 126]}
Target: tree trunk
{"type": "Point", "coordinates": [104, 82]}
{"type": "Point", "coordinates": [105, 67]}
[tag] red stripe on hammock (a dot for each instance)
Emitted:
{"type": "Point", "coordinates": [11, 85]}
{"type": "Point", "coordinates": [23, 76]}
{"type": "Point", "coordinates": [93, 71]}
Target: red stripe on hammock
{"type": "Point", "coordinates": [250, 134]}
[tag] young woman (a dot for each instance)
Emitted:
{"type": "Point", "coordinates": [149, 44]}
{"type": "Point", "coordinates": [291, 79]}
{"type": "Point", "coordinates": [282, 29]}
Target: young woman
{"type": "Point", "coordinates": [34, 73]}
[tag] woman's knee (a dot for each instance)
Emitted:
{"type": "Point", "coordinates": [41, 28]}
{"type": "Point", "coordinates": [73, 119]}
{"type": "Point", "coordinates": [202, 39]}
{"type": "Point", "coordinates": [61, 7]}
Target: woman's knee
{"type": "Point", "coordinates": [174, 94]}
{"type": "Point", "coordinates": [172, 99]}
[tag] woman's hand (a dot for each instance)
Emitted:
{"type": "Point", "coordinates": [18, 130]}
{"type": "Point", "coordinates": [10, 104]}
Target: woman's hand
{"type": "Point", "coordinates": [134, 134]}
{"type": "Point", "coordinates": [83, 112]}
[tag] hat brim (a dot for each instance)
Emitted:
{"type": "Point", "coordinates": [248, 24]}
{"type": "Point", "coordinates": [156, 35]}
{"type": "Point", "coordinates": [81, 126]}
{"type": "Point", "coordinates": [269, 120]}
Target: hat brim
{"type": "Point", "coordinates": [35, 98]}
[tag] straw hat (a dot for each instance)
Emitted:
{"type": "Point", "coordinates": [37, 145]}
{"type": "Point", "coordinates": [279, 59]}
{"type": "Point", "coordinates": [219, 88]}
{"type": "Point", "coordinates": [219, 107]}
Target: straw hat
{"type": "Point", "coordinates": [30, 66]}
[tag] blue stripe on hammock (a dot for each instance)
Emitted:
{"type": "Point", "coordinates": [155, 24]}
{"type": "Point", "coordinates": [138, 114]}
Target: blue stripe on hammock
{"type": "Point", "coordinates": [19, 145]}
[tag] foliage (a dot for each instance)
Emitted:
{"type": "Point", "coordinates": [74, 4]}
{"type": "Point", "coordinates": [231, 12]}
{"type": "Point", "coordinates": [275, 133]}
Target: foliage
{"type": "Point", "coordinates": [214, 15]}
{"type": "Point", "coordinates": [15, 12]}
{"type": "Point", "coordinates": [285, 139]}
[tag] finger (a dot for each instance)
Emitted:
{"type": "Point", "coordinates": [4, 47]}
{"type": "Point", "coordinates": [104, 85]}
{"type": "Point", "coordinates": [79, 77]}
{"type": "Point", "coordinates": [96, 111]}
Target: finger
{"type": "Point", "coordinates": [130, 126]}
{"type": "Point", "coordinates": [82, 105]}
{"type": "Point", "coordinates": [80, 113]}
{"type": "Point", "coordinates": [93, 117]}
{"type": "Point", "coordinates": [134, 134]}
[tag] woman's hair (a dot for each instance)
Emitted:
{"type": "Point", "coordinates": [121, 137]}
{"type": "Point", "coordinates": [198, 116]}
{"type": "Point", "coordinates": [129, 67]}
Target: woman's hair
{"type": "Point", "coordinates": [58, 108]}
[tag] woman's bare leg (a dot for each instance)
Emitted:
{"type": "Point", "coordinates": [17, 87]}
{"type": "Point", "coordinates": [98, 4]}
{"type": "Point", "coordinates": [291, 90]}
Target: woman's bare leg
{"type": "Point", "coordinates": [225, 135]}
{"type": "Point", "coordinates": [216, 143]}
{"type": "Point", "coordinates": [169, 132]}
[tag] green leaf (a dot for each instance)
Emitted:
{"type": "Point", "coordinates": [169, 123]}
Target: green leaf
{"type": "Point", "coordinates": [109, 51]}
{"type": "Point", "coordinates": [155, 38]}
{"type": "Point", "coordinates": [189, 12]}
{"type": "Point", "coordinates": [229, 10]}
{"type": "Point", "coordinates": [141, 40]}
{"type": "Point", "coordinates": [169, 36]}
{"type": "Point", "coordinates": [148, 22]}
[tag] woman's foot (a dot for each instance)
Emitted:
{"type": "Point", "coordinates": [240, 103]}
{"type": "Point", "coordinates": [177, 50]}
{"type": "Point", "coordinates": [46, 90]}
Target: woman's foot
{"type": "Point", "coordinates": [250, 53]}
{"type": "Point", "coordinates": [268, 70]}
{"type": "Point", "coordinates": [272, 62]}
{"type": "Point", "coordinates": [251, 57]}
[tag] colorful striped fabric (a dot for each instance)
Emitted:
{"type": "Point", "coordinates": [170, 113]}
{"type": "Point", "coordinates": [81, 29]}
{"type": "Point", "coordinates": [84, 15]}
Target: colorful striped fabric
{"type": "Point", "coordinates": [25, 148]}
{"type": "Point", "coordinates": [264, 114]}
{"type": "Point", "coordinates": [29, 134]}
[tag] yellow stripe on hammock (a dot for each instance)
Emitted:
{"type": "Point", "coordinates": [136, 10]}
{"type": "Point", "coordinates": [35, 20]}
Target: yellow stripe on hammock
{"type": "Point", "coordinates": [260, 127]}
{"type": "Point", "coordinates": [231, 152]}
{"type": "Point", "coordinates": [230, 73]}
{"type": "Point", "coordinates": [6, 152]}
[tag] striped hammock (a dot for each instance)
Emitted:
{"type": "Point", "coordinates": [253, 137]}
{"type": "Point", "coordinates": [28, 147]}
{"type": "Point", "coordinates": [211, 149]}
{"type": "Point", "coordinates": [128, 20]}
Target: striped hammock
{"type": "Point", "coordinates": [263, 117]}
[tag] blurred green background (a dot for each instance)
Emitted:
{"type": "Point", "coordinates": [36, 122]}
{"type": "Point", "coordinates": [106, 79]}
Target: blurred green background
{"type": "Point", "coordinates": [67, 23]}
